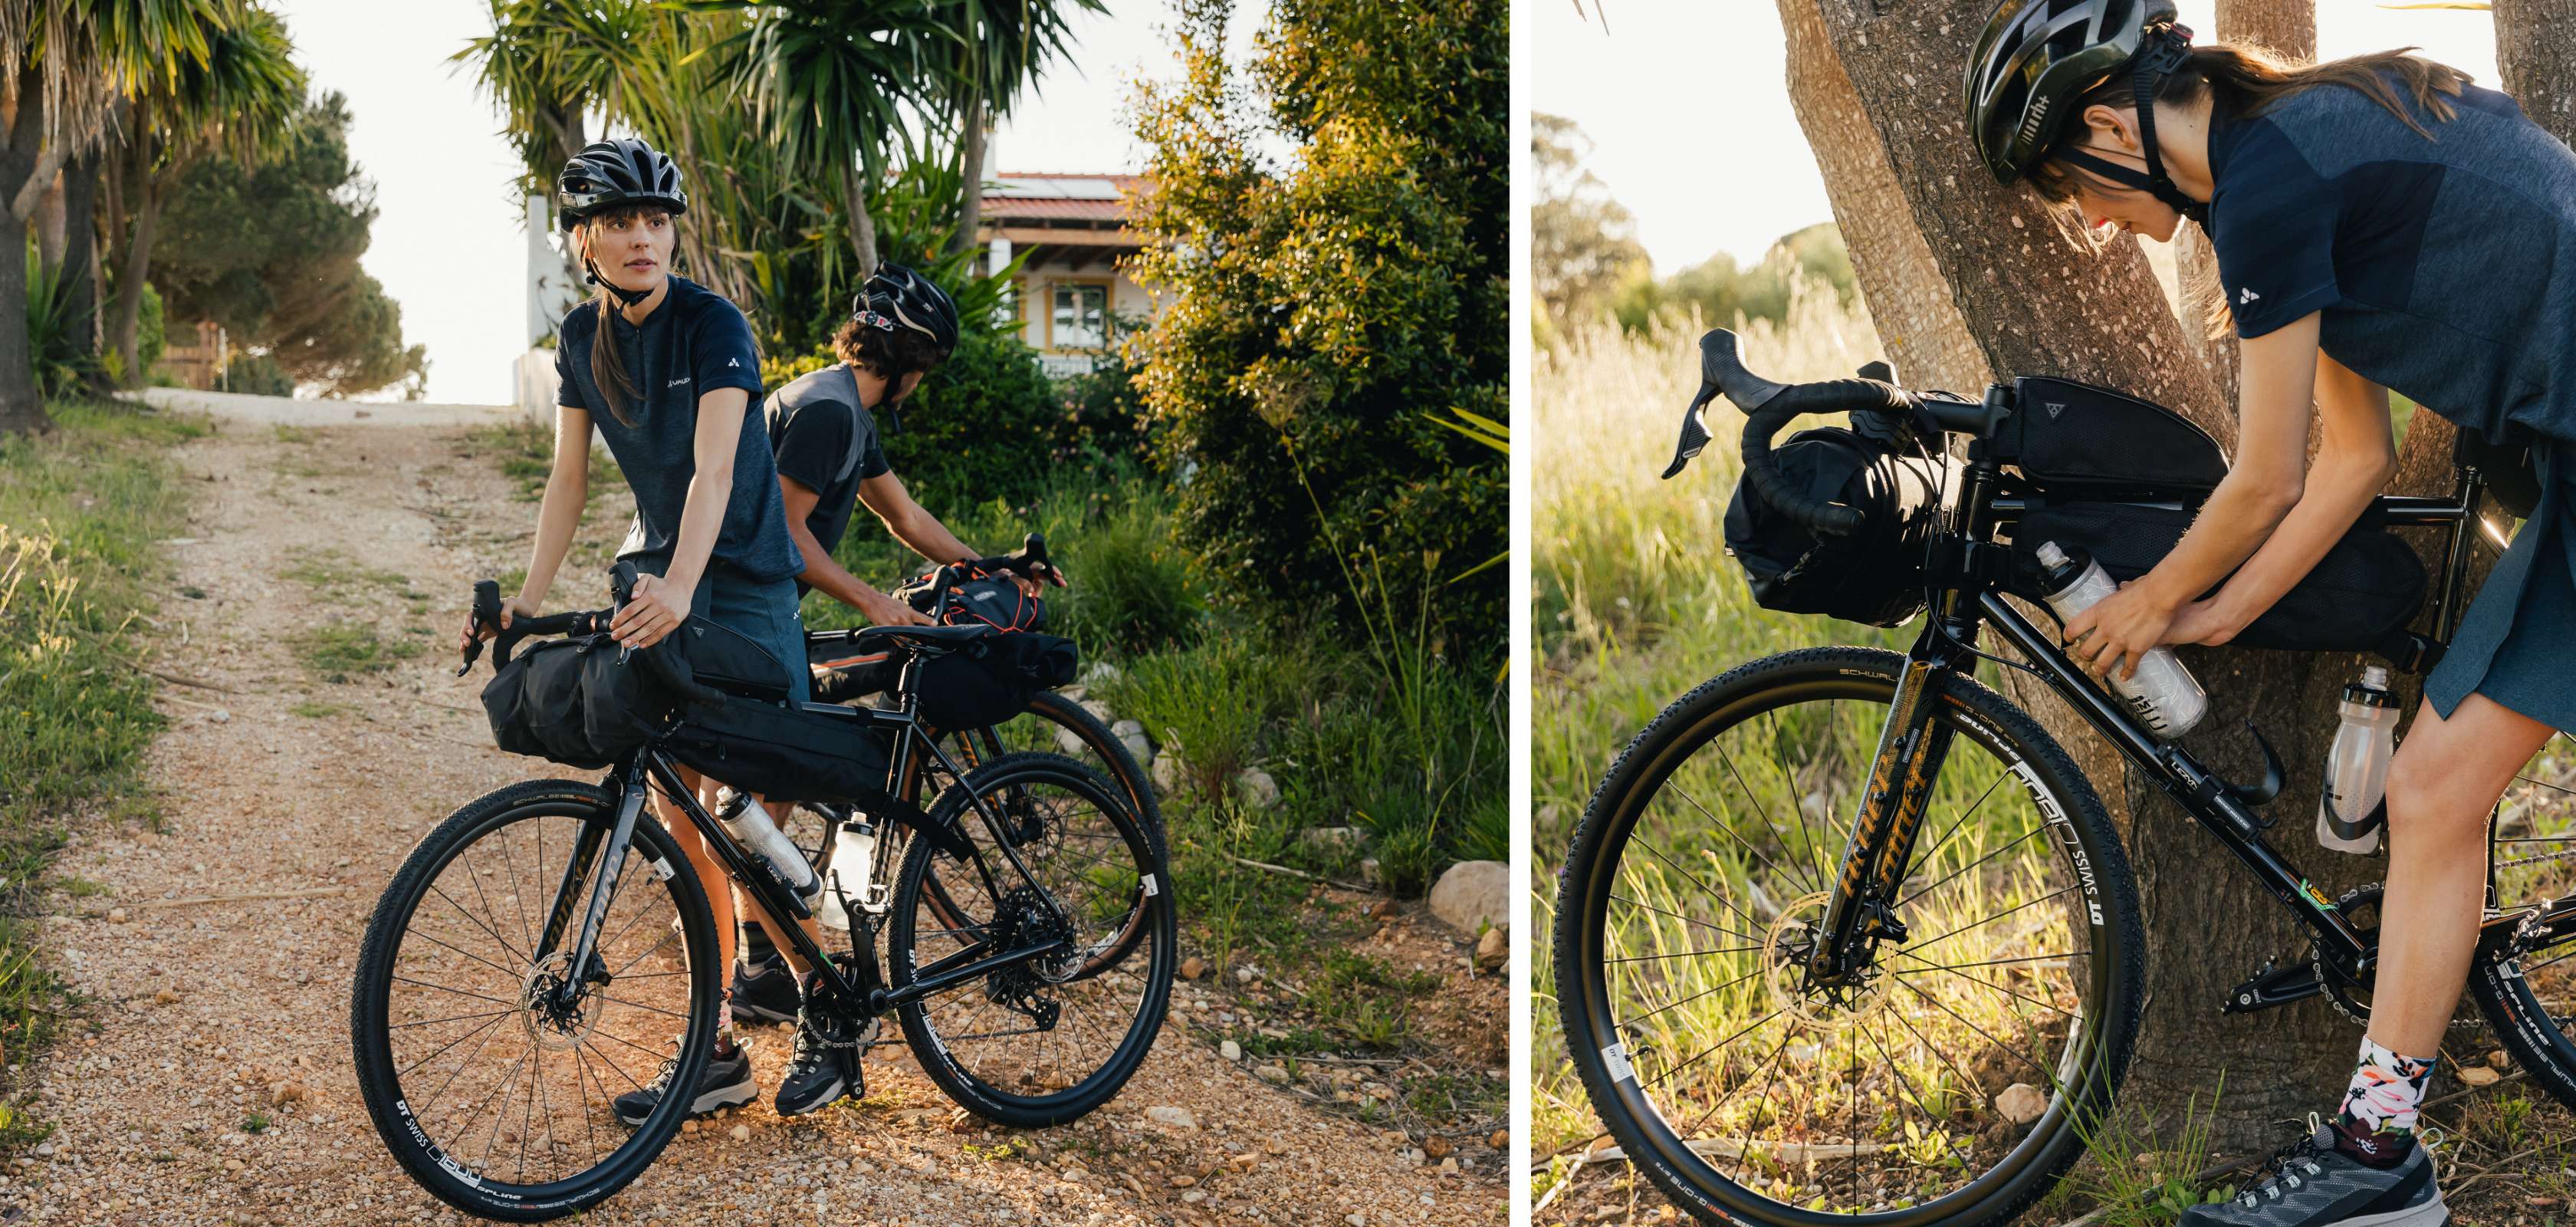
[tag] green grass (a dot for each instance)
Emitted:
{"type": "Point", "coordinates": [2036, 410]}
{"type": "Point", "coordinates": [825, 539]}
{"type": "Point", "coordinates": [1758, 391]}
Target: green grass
{"type": "Point", "coordinates": [328, 572]}
{"type": "Point", "coordinates": [80, 510]}
{"type": "Point", "coordinates": [339, 650]}
{"type": "Point", "coordinates": [311, 710]}
{"type": "Point", "coordinates": [525, 452]}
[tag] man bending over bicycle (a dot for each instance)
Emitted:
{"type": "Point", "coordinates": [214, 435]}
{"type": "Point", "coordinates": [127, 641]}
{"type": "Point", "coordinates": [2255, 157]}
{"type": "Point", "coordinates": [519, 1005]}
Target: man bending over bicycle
{"type": "Point", "coordinates": [822, 428]}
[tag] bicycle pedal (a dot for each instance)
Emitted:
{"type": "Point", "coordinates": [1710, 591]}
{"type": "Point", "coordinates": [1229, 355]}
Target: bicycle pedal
{"type": "Point", "coordinates": [2272, 986]}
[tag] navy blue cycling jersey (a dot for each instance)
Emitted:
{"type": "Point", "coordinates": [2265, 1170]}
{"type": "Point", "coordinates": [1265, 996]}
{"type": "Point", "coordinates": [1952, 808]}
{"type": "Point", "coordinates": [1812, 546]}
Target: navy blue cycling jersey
{"type": "Point", "coordinates": [693, 344]}
{"type": "Point", "coordinates": [2435, 262]}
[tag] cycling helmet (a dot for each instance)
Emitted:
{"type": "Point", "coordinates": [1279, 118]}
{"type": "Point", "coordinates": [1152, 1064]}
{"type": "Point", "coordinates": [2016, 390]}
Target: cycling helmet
{"type": "Point", "coordinates": [897, 297]}
{"type": "Point", "coordinates": [606, 174]}
{"type": "Point", "coordinates": [2035, 58]}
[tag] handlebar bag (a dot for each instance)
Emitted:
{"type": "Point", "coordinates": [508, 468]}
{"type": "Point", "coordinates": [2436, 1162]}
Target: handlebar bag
{"type": "Point", "coordinates": [2367, 587]}
{"type": "Point", "coordinates": [1874, 576]}
{"type": "Point", "coordinates": [784, 753]}
{"type": "Point", "coordinates": [571, 701]}
{"type": "Point", "coordinates": [2064, 434]}
{"type": "Point", "coordinates": [986, 596]}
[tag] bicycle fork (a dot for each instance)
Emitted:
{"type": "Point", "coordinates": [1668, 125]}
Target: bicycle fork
{"type": "Point", "coordinates": [608, 851]}
{"type": "Point", "coordinates": [1860, 910]}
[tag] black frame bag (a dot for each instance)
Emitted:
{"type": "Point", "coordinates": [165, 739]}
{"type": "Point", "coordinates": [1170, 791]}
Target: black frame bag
{"type": "Point", "coordinates": [2367, 587]}
{"type": "Point", "coordinates": [2063, 434]}
{"type": "Point", "coordinates": [817, 752]}
{"type": "Point", "coordinates": [1874, 576]}
{"type": "Point", "coordinates": [574, 702]}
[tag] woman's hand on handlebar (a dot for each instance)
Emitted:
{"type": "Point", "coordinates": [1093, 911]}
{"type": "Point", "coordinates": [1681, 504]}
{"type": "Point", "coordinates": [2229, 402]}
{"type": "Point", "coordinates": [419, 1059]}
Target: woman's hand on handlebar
{"type": "Point", "coordinates": [1039, 576]}
{"type": "Point", "coordinates": [511, 610]}
{"type": "Point", "coordinates": [655, 609]}
{"type": "Point", "coordinates": [883, 610]}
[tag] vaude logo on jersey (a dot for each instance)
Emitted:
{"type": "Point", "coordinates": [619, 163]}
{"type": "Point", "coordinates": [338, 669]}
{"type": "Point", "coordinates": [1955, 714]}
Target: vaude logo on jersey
{"type": "Point", "coordinates": [735, 363]}
{"type": "Point", "coordinates": [2246, 295]}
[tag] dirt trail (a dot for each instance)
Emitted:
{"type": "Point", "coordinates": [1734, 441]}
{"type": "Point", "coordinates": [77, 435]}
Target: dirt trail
{"type": "Point", "coordinates": [211, 1012]}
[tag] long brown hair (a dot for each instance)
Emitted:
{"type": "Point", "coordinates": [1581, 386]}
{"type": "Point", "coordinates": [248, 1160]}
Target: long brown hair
{"type": "Point", "coordinates": [607, 366]}
{"type": "Point", "coordinates": [2245, 80]}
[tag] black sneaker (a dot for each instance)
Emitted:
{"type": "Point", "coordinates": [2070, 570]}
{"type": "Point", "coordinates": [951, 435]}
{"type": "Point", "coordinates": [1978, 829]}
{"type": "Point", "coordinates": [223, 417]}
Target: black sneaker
{"type": "Point", "coordinates": [726, 1083]}
{"type": "Point", "coordinates": [825, 1067]}
{"type": "Point", "coordinates": [2310, 1183]}
{"type": "Point", "coordinates": [765, 992]}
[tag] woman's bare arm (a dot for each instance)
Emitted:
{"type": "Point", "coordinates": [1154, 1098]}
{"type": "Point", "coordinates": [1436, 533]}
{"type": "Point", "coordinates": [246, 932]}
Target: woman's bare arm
{"type": "Point", "coordinates": [559, 513]}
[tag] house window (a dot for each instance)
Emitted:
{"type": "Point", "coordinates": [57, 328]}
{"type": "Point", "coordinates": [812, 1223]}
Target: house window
{"type": "Point", "coordinates": [1081, 316]}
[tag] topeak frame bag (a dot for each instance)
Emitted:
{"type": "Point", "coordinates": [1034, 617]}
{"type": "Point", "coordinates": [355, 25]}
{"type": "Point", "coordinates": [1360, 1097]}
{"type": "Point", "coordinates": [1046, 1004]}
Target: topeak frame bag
{"type": "Point", "coordinates": [572, 701]}
{"type": "Point", "coordinates": [817, 752]}
{"type": "Point", "coordinates": [2064, 435]}
{"type": "Point", "coordinates": [729, 660]}
{"type": "Point", "coordinates": [2368, 586]}
{"type": "Point", "coordinates": [1874, 576]}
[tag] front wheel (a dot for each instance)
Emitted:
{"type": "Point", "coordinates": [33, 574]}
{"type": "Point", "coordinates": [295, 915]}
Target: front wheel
{"type": "Point", "coordinates": [1047, 950]}
{"type": "Point", "coordinates": [493, 1091]}
{"type": "Point", "coordinates": [1941, 1079]}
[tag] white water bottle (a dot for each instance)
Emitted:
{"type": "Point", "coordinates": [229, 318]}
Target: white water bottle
{"type": "Point", "coordinates": [750, 826]}
{"type": "Point", "coordinates": [2161, 694]}
{"type": "Point", "coordinates": [851, 869]}
{"type": "Point", "coordinates": [2354, 805]}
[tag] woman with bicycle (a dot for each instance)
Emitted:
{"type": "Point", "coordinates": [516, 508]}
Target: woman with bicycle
{"type": "Point", "coordinates": [667, 371]}
{"type": "Point", "coordinates": [2378, 223]}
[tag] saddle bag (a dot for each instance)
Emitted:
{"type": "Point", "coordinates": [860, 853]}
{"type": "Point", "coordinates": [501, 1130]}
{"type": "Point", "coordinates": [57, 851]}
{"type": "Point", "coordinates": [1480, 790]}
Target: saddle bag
{"type": "Point", "coordinates": [1874, 576]}
{"type": "Point", "coordinates": [784, 753]}
{"type": "Point", "coordinates": [992, 679]}
{"type": "Point", "coordinates": [573, 702]}
{"type": "Point", "coordinates": [2367, 587]}
{"type": "Point", "coordinates": [2066, 436]}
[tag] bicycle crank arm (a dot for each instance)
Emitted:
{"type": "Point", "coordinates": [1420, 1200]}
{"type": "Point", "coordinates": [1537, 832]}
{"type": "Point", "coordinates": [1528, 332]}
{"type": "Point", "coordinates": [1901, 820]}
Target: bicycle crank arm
{"type": "Point", "coordinates": [2272, 987]}
{"type": "Point", "coordinates": [939, 978]}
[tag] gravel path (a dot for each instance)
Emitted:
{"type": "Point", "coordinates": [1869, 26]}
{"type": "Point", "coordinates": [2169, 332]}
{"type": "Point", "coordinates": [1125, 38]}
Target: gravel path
{"type": "Point", "coordinates": [211, 1012]}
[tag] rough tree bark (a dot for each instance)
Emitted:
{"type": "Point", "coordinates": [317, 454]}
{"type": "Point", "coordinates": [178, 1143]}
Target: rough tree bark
{"type": "Point", "coordinates": [80, 241]}
{"type": "Point", "coordinates": [1917, 321]}
{"type": "Point", "coordinates": [22, 157]}
{"type": "Point", "coordinates": [970, 209]}
{"type": "Point", "coordinates": [863, 228]}
{"type": "Point", "coordinates": [2036, 296]}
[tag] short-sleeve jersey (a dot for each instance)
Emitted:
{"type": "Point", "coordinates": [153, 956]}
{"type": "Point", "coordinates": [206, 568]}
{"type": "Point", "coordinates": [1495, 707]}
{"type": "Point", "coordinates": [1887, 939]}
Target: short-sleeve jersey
{"type": "Point", "coordinates": [826, 439]}
{"type": "Point", "coordinates": [2437, 263]}
{"type": "Point", "coordinates": [694, 343]}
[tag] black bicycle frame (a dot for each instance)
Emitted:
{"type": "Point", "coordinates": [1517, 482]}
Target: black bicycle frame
{"type": "Point", "coordinates": [1912, 744]}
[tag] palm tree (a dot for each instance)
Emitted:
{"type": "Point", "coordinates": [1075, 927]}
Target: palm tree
{"type": "Point", "coordinates": [996, 49]}
{"type": "Point", "coordinates": [236, 100]}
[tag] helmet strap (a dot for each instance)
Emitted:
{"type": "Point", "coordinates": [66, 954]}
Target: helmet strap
{"type": "Point", "coordinates": [625, 297]}
{"type": "Point", "coordinates": [2169, 50]}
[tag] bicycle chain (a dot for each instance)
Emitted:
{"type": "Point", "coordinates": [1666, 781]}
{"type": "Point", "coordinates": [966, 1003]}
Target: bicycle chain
{"type": "Point", "coordinates": [2336, 992]}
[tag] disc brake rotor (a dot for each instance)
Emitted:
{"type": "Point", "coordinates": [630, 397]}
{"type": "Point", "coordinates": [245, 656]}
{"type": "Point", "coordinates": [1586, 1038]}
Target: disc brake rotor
{"type": "Point", "coordinates": [1785, 949]}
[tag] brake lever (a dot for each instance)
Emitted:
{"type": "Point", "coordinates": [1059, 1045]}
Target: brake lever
{"type": "Point", "coordinates": [486, 612]}
{"type": "Point", "coordinates": [1721, 371]}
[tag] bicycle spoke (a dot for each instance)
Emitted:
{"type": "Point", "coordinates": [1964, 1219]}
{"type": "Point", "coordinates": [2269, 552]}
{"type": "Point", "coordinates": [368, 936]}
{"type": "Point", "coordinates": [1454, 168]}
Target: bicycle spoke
{"type": "Point", "coordinates": [1978, 924]}
{"type": "Point", "coordinates": [1615, 897]}
{"type": "Point", "coordinates": [1929, 1124]}
{"type": "Point", "coordinates": [458, 991]}
{"type": "Point", "coordinates": [1704, 887]}
{"type": "Point", "coordinates": [1702, 1053]}
{"type": "Point", "coordinates": [1765, 809]}
{"type": "Point", "coordinates": [2036, 958]}
{"type": "Point", "coordinates": [478, 922]}
{"type": "Point", "coordinates": [2044, 1075]}
{"type": "Point", "coordinates": [1929, 859]}
{"type": "Point", "coordinates": [1954, 876]}
{"type": "Point", "coordinates": [496, 1021]}
{"type": "Point", "coordinates": [1680, 954]}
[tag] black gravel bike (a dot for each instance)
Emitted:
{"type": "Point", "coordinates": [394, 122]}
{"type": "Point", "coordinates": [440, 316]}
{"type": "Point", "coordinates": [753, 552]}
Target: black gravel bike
{"type": "Point", "coordinates": [1846, 936]}
{"type": "Point", "coordinates": [535, 953]}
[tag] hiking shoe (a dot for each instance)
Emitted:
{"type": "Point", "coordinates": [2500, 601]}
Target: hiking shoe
{"type": "Point", "coordinates": [2312, 1184]}
{"type": "Point", "coordinates": [764, 991]}
{"type": "Point", "coordinates": [825, 1066]}
{"type": "Point", "coordinates": [726, 1083]}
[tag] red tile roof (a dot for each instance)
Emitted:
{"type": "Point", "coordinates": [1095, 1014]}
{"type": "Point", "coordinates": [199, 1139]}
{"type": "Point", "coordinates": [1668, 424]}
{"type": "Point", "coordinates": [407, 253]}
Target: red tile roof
{"type": "Point", "coordinates": [1060, 197]}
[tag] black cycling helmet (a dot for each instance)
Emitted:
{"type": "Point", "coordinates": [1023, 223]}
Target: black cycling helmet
{"type": "Point", "coordinates": [2035, 58]}
{"type": "Point", "coordinates": [607, 174]}
{"type": "Point", "coordinates": [897, 297]}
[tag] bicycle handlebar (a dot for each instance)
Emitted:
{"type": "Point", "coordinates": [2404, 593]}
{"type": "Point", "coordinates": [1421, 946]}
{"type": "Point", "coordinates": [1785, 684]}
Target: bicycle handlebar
{"type": "Point", "coordinates": [1769, 406]}
{"type": "Point", "coordinates": [662, 659]}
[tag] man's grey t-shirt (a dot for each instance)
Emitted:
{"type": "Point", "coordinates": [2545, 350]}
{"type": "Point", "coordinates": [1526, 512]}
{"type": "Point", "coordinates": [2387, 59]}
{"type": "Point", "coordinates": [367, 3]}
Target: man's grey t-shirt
{"type": "Point", "coordinates": [2436, 262]}
{"type": "Point", "coordinates": [823, 436]}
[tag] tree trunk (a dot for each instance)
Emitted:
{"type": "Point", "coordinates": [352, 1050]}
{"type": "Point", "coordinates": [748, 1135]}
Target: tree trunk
{"type": "Point", "coordinates": [863, 228]}
{"type": "Point", "coordinates": [2038, 299]}
{"type": "Point", "coordinates": [21, 409]}
{"type": "Point", "coordinates": [48, 224]}
{"type": "Point", "coordinates": [1917, 321]}
{"type": "Point", "coordinates": [127, 316]}
{"type": "Point", "coordinates": [2536, 62]}
{"type": "Point", "coordinates": [970, 206]}
{"type": "Point", "coordinates": [79, 275]}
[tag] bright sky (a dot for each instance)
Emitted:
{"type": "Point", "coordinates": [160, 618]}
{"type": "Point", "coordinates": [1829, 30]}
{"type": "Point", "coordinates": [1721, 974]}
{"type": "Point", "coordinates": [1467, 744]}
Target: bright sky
{"type": "Point", "coordinates": [448, 244]}
{"type": "Point", "coordinates": [1674, 89]}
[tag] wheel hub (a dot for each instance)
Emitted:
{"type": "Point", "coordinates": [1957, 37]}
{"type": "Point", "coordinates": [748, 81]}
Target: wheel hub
{"type": "Point", "coordinates": [556, 1011]}
{"type": "Point", "coordinates": [1787, 953]}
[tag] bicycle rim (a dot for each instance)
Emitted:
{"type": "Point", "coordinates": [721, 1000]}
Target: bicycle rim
{"type": "Point", "coordinates": [2527, 986]}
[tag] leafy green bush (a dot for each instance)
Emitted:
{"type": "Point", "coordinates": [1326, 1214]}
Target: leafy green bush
{"type": "Point", "coordinates": [257, 375]}
{"type": "Point", "coordinates": [151, 330]}
{"type": "Point", "coordinates": [1132, 590]}
{"type": "Point", "coordinates": [1300, 368]}
{"type": "Point", "coordinates": [1209, 703]}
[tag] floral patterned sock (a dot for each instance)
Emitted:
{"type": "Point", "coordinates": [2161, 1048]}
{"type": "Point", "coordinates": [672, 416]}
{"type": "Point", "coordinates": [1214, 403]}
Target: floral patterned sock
{"type": "Point", "coordinates": [2377, 1123]}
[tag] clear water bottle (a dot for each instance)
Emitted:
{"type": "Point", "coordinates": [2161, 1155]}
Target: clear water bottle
{"type": "Point", "coordinates": [750, 826]}
{"type": "Point", "coordinates": [852, 868]}
{"type": "Point", "coordinates": [2161, 694]}
{"type": "Point", "coordinates": [2355, 802]}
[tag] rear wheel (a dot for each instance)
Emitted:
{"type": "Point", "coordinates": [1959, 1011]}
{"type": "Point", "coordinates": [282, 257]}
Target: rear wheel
{"type": "Point", "coordinates": [1056, 863]}
{"type": "Point", "coordinates": [2527, 987]}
